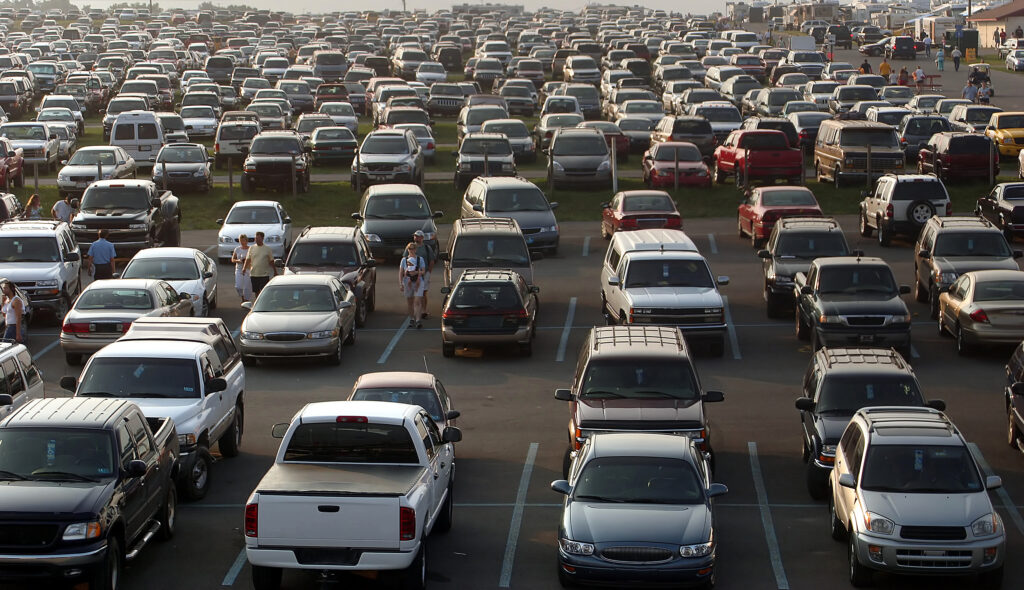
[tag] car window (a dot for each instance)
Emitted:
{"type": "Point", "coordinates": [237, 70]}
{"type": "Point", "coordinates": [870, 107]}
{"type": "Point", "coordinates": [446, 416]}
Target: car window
{"type": "Point", "coordinates": [27, 365]}
{"type": "Point", "coordinates": [139, 433]}
{"type": "Point", "coordinates": [935, 469]}
{"type": "Point", "coordinates": [15, 382]}
{"type": "Point", "coordinates": [650, 480]}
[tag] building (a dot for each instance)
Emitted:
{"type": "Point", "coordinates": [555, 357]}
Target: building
{"type": "Point", "coordinates": [1006, 17]}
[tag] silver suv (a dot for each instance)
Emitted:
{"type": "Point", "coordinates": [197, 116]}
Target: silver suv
{"type": "Point", "coordinates": [908, 497]}
{"type": "Point", "coordinates": [579, 156]}
{"type": "Point", "coordinates": [483, 154]}
{"type": "Point", "coordinates": [389, 156]}
{"type": "Point", "coordinates": [902, 204]}
{"type": "Point", "coordinates": [42, 257]}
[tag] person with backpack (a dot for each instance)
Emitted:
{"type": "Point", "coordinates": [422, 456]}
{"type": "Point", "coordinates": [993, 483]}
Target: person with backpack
{"type": "Point", "coordinates": [424, 251]}
{"type": "Point", "coordinates": [410, 281]}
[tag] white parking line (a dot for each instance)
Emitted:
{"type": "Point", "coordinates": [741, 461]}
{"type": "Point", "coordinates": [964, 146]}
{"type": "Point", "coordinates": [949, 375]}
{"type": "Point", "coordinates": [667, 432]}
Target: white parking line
{"type": "Point", "coordinates": [913, 352]}
{"type": "Point", "coordinates": [517, 518]}
{"type": "Point", "coordinates": [734, 342]}
{"type": "Point", "coordinates": [45, 349]}
{"type": "Point", "coordinates": [236, 568]}
{"type": "Point", "coordinates": [207, 250]}
{"type": "Point", "coordinates": [1004, 497]}
{"type": "Point", "coordinates": [713, 243]}
{"type": "Point", "coordinates": [586, 246]}
{"type": "Point", "coordinates": [394, 340]}
{"type": "Point", "coordinates": [569, 316]}
{"type": "Point", "coordinates": [766, 519]}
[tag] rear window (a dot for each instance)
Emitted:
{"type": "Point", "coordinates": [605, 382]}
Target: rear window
{"type": "Point", "coordinates": [970, 145]}
{"type": "Point", "coordinates": [348, 442]}
{"type": "Point", "coordinates": [874, 137]}
{"type": "Point", "coordinates": [237, 131]}
{"type": "Point", "coordinates": [692, 127]}
{"type": "Point", "coordinates": [219, 63]}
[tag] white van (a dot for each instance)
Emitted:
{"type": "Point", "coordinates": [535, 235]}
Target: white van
{"type": "Point", "coordinates": [140, 133]}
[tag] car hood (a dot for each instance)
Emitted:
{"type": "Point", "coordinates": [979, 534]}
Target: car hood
{"type": "Point", "coordinates": [527, 219]}
{"type": "Point", "coordinates": [288, 322]}
{"type": "Point", "coordinates": [397, 228]}
{"type": "Point", "coordinates": [234, 230]}
{"type": "Point", "coordinates": [863, 305]}
{"type": "Point", "coordinates": [190, 286]}
{"type": "Point", "coordinates": [787, 267]}
{"type": "Point", "coordinates": [29, 271]}
{"type": "Point", "coordinates": [183, 411]}
{"type": "Point", "coordinates": [384, 158]}
{"type": "Point", "coordinates": [180, 166]}
{"type": "Point", "coordinates": [675, 296]}
{"type": "Point", "coordinates": [53, 499]}
{"type": "Point", "coordinates": [85, 170]}
{"type": "Point", "coordinates": [831, 426]}
{"type": "Point", "coordinates": [920, 509]}
{"type": "Point", "coordinates": [962, 264]}
{"type": "Point", "coordinates": [639, 414]}
{"type": "Point", "coordinates": [602, 522]}
{"type": "Point", "coordinates": [580, 161]}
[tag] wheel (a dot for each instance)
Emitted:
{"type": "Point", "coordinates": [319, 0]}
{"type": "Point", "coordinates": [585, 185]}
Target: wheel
{"type": "Point", "coordinates": [815, 340]}
{"type": "Point", "coordinates": [204, 311]}
{"type": "Point", "coordinates": [815, 486]}
{"type": "Point", "coordinates": [817, 173]}
{"type": "Point", "coordinates": [940, 325]}
{"type": "Point", "coordinates": [865, 229]}
{"type": "Point", "coordinates": [884, 239]}
{"type": "Point", "coordinates": [802, 330]}
{"type": "Point", "coordinates": [231, 440]}
{"type": "Point", "coordinates": [334, 359]}
{"type": "Point", "coordinates": [933, 302]}
{"type": "Point", "coordinates": [805, 455]}
{"type": "Point", "coordinates": [107, 575]}
{"type": "Point", "coordinates": [920, 293]}
{"type": "Point", "coordinates": [1012, 434]}
{"type": "Point", "coordinates": [371, 299]}
{"type": "Point", "coordinates": [415, 576]}
{"type": "Point", "coordinates": [351, 338]}
{"type": "Point", "coordinates": [920, 211]}
{"type": "Point", "coordinates": [755, 242]}
{"type": "Point", "coordinates": [248, 360]}
{"type": "Point", "coordinates": [605, 234]}
{"type": "Point", "coordinates": [62, 309]}
{"type": "Point", "coordinates": [773, 307]}
{"type": "Point", "coordinates": [168, 515]}
{"type": "Point", "coordinates": [920, 167]}
{"type": "Point", "coordinates": [838, 531]}
{"type": "Point", "coordinates": [739, 228]}
{"type": "Point", "coordinates": [717, 174]}
{"type": "Point", "coordinates": [266, 578]}
{"type": "Point", "coordinates": [448, 349]}
{"type": "Point", "coordinates": [444, 520]}
{"type": "Point", "coordinates": [962, 347]}
{"type": "Point", "coordinates": [197, 481]}
{"type": "Point", "coordinates": [73, 359]}
{"type": "Point", "coordinates": [860, 576]}
{"type": "Point", "coordinates": [836, 182]}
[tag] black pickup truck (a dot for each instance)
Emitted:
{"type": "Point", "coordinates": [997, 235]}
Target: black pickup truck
{"type": "Point", "coordinates": [276, 159]}
{"type": "Point", "coordinates": [87, 483]}
{"type": "Point", "coordinates": [135, 212]}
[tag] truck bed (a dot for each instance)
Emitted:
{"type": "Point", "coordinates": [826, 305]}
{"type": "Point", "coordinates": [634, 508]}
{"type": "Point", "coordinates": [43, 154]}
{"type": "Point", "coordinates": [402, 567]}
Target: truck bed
{"type": "Point", "coordinates": [351, 479]}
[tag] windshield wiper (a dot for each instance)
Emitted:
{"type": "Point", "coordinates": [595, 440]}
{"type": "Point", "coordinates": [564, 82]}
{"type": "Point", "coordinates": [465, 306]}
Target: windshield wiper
{"type": "Point", "coordinates": [64, 475]}
{"type": "Point", "coordinates": [10, 475]}
{"type": "Point", "coordinates": [598, 498]}
{"type": "Point", "coordinates": [97, 394]}
{"type": "Point", "coordinates": [656, 393]}
{"type": "Point", "coordinates": [599, 393]}
{"type": "Point", "coordinates": [138, 394]}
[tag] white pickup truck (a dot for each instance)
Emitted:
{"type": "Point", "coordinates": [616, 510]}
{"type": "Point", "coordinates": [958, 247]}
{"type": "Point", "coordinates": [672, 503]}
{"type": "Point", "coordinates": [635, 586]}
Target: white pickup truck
{"type": "Point", "coordinates": [356, 486]}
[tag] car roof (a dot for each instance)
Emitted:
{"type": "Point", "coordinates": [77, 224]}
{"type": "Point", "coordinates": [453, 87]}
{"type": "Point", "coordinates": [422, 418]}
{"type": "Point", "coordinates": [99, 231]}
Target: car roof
{"type": "Point", "coordinates": [68, 412]}
{"type": "Point", "coordinates": [860, 360]}
{"type": "Point", "coordinates": [329, 233]}
{"type": "Point", "coordinates": [395, 379]}
{"type": "Point", "coordinates": [629, 341]}
{"type": "Point", "coordinates": [256, 203]}
{"type": "Point", "coordinates": [122, 284]}
{"type": "Point", "coordinates": [166, 252]}
{"type": "Point", "coordinates": [301, 279]}
{"type": "Point", "coordinates": [640, 444]}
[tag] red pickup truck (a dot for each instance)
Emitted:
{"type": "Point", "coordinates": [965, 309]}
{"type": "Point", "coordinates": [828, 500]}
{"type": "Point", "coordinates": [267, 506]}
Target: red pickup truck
{"type": "Point", "coordinates": [758, 154]}
{"type": "Point", "coordinates": [12, 165]}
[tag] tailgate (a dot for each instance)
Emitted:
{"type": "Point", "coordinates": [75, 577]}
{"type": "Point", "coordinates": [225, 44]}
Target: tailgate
{"type": "Point", "coordinates": [328, 521]}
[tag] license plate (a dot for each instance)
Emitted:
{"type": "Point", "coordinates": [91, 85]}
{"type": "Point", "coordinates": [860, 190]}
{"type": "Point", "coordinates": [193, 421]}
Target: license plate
{"type": "Point", "coordinates": [81, 184]}
{"type": "Point", "coordinates": [529, 239]}
{"type": "Point", "coordinates": [866, 339]}
{"type": "Point", "coordinates": [378, 177]}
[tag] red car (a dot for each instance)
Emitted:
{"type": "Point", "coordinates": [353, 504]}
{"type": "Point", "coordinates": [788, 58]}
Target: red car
{"type": "Point", "coordinates": [629, 210]}
{"type": "Point", "coordinates": [757, 214]}
{"type": "Point", "coordinates": [613, 136]}
{"type": "Point", "coordinates": [955, 155]}
{"type": "Point", "coordinates": [758, 154]}
{"type": "Point", "coordinates": [661, 161]}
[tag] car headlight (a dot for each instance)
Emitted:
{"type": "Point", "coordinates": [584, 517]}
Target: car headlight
{"type": "Point", "coordinates": [575, 547]}
{"type": "Point", "coordinates": [323, 334]}
{"type": "Point", "coordinates": [404, 168]}
{"type": "Point", "coordinates": [828, 450]}
{"type": "Point", "coordinates": [78, 226]}
{"type": "Point", "coordinates": [900, 319]}
{"type": "Point", "coordinates": [252, 336]}
{"type": "Point", "coordinates": [62, 177]}
{"type": "Point", "coordinates": [372, 238]}
{"type": "Point", "coordinates": [698, 550]}
{"type": "Point", "coordinates": [137, 226]}
{"type": "Point", "coordinates": [945, 277]}
{"type": "Point", "coordinates": [829, 319]}
{"type": "Point", "coordinates": [553, 228]}
{"type": "Point", "coordinates": [987, 525]}
{"type": "Point", "coordinates": [226, 239]}
{"type": "Point", "coordinates": [187, 440]}
{"type": "Point", "coordinates": [878, 524]}
{"type": "Point", "coordinates": [557, 167]}
{"type": "Point", "coordinates": [199, 173]}
{"type": "Point", "coordinates": [605, 165]}
{"type": "Point", "coordinates": [81, 531]}
{"type": "Point", "coordinates": [273, 239]}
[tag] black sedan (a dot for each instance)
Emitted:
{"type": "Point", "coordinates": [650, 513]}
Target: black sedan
{"type": "Point", "coordinates": [331, 144]}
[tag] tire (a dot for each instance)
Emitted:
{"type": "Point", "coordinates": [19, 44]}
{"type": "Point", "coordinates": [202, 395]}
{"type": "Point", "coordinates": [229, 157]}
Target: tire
{"type": "Point", "coordinates": [836, 182]}
{"type": "Point", "coordinates": [72, 358]}
{"type": "Point", "coordinates": [248, 360]}
{"type": "Point", "coordinates": [739, 229]}
{"type": "Point", "coordinates": [447, 516]}
{"type": "Point", "coordinates": [231, 440]}
{"type": "Point", "coordinates": [334, 359]}
{"type": "Point", "coordinates": [351, 338]}
{"type": "Point", "coordinates": [168, 515]}
{"type": "Point", "coordinates": [566, 462]}
{"type": "Point", "coordinates": [371, 300]}
{"type": "Point", "coordinates": [717, 174]}
{"type": "Point", "coordinates": [884, 237]}
{"type": "Point", "coordinates": [266, 578]}
{"type": "Point", "coordinates": [196, 483]}
{"type": "Point", "coordinates": [246, 185]}
{"type": "Point", "coordinates": [920, 211]}
{"type": "Point", "coordinates": [448, 349]}
{"type": "Point", "coordinates": [865, 229]}
{"type": "Point", "coordinates": [205, 310]}
{"type": "Point", "coordinates": [933, 302]}
{"type": "Point", "coordinates": [755, 242]}
{"type": "Point", "coordinates": [62, 310]}
{"type": "Point", "coordinates": [361, 313]}
{"type": "Point", "coordinates": [772, 306]}
{"type": "Point", "coordinates": [860, 576]}
{"type": "Point", "coordinates": [817, 173]}
{"type": "Point", "coordinates": [815, 340]}
{"type": "Point", "coordinates": [802, 330]}
{"type": "Point", "coordinates": [920, 293]}
{"type": "Point", "coordinates": [19, 180]}
{"type": "Point", "coordinates": [838, 531]}
{"type": "Point", "coordinates": [940, 326]}
{"type": "Point", "coordinates": [1012, 434]}
{"type": "Point", "coordinates": [107, 575]}
{"type": "Point", "coordinates": [415, 576]}
{"type": "Point", "coordinates": [963, 348]}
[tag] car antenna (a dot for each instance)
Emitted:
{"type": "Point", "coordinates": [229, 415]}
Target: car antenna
{"type": "Point", "coordinates": [425, 367]}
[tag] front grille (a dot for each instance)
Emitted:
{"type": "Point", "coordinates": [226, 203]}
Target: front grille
{"type": "Point", "coordinates": [378, 167]}
{"type": "Point", "coordinates": [938, 558]}
{"type": "Point", "coordinates": [934, 533]}
{"type": "Point", "coordinates": [865, 320]}
{"type": "Point", "coordinates": [446, 102]}
{"type": "Point", "coordinates": [530, 230]}
{"type": "Point", "coordinates": [179, 174]}
{"type": "Point", "coordinates": [82, 178]}
{"type": "Point", "coordinates": [636, 554]}
{"type": "Point", "coordinates": [27, 535]}
{"type": "Point", "coordinates": [273, 167]}
{"type": "Point", "coordinates": [284, 336]}
{"type": "Point", "coordinates": [492, 167]}
{"type": "Point", "coordinates": [327, 556]}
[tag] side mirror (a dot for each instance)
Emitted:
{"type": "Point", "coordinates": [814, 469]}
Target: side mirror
{"type": "Point", "coordinates": [370, 263]}
{"type": "Point", "coordinates": [563, 395]}
{"type": "Point", "coordinates": [216, 384]}
{"type": "Point", "coordinates": [904, 289]}
{"type": "Point", "coordinates": [846, 480]}
{"type": "Point", "coordinates": [446, 290]}
{"type": "Point", "coordinates": [135, 468]}
{"type": "Point", "coordinates": [246, 305]}
{"type": "Point", "coordinates": [717, 489]}
{"type": "Point", "coordinates": [357, 216]}
{"type": "Point", "coordinates": [613, 281]}
{"type": "Point", "coordinates": [62, 162]}
{"type": "Point", "coordinates": [553, 206]}
{"type": "Point", "coordinates": [278, 263]}
{"type": "Point", "coordinates": [286, 220]}
{"type": "Point", "coordinates": [207, 275]}
{"type": "Point", "coordinates": [154, 203]}
{"type": "Point", "coordinates": [936, 404]}
{"type": "Point", "coordinates": [1017, 388]}
{"type": "Point", "coordinates": [6, 399]}
{"type": "Point", "coordinates": [478, 208]}
{"type": "Point", "coordinates": [805, 404]}
{"type": "Point", "coordinates": [723, 280]}
{"type": "Point", "coordinates": [534, 289]}
{"type": "Point", "coordinates": [807, 290]}
{"type": "Point", "coordinates": [451, 434]}
{"type": "Point", "coordinates": [764, 254]}
{"type": "Point", "coordinates": [72, 257]}
{"type": "Point", "coordinates": [712, 397]}
{"type": "Point", "coordinates": [220, 221]}
{"type": "Point", "coordinates": [444, 257]}
{"type": "Point", "coordinates": [452, 414]}
{"type": "Point", "coordinates": [993, 482]}
{"type": "Point", "coordinates": [69, 383]}
{"type": "Point", "coordinates": [279, 430]}
{"type": "Point", "coordinates": [438, 214]}
{"type": "Point", "coordinates": [184, 297]}
{"type": "Point", "coordinates": [925, 254]}
{"type": "Point", "coordinates": [561, 486]}
{"type": "Point", "coordinates": [344, 305]}
{"type": "Point", "coordinates": [74, 203]}
{"type": "Point", "coordinates": [606, 205]}
{"type": "Point", "coordinates": [454, 153]}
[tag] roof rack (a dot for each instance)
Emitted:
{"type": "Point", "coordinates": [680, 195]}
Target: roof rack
{"type": "Point", "coordinates": [848, 356]}
{"type": "Point", "coordinates": [631, 335]}
{"type": "Point", "coordinates": [964, 220]}
{"type": "Point", "coordinates": [829, 221]}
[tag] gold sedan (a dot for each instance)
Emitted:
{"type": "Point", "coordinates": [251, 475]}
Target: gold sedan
{"type": "Point", "coordinates": [984, 307]}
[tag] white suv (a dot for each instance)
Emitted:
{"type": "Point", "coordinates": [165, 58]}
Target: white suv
{"type": "Point", "coordinates": [903, 203]}
{"type": "Point", "coordinates": [44, 260]}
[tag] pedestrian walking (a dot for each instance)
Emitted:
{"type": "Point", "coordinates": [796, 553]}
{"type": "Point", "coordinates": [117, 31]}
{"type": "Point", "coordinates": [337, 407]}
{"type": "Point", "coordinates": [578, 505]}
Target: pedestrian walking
{"type": "Point", "coordinates": [13, 309]}
{"type": "Point", "coordinates": [1002, 37]}
{"type": "Point", "coordinates": [410, 282]}
{"type": "Point", "coordinates": [62, 209]}
{"type": "Point", "coordinates": [894, 78]}
{"type": "Point", "coordinates": [970, 92]}
{"type": "Point", "coordinates": [243, 284]}
{"type": "Point", "coordinates": [984, 93]}
{"type": "Point", "coordinates": [865, 68]}
{"type": "Point", "coordinates": [927, 46]}
{"type": "Point", "coordinates": [101, 257]}
{"type": "Point", "coordinates": [904, 79]}
{"type": "Point", "coordinates": [956, 55]}
{"type": "Point", "coordinates": [33, 209]}
{"type": "Point", "coordinates": [918, 78]}
{"type": "Point", "coordinates": [884, 69]}
{"type": "Point", "coordinates": [259, 263]}
{"type": "Point", "coordinates": [428, 254]}
{"type": "Point", "coordinates": [995, 37]}
{"type": "Point", "coordinates": [1018, 32]}
{"type": "Point", "coordinates": [940, 59]}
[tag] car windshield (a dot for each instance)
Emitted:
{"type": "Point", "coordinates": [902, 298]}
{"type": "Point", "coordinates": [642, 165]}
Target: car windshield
{"type": "Point", "coordinates": [635, 124]}
{"type": "Point", "coordinates": [29, 249]}
{"type": "Point", "coordinates": [668, 273]}
{"type": "Point", "coordinates": [341, 110]}
{"type": "Point", "coordinates": [115, 198]}
{"type": "Point", "coordinates": [397, 207]}
{"type": "Point", "coordinates": [568, 120]}
{"type": "Point", "coordinates": [511, 130]}
{"type": "Point", "coordinates": [295, 299]}
{"type": "Point", "coordinates": [856, 280]}
{"type": "Point", "coordinates": [350, 442]}
{"type": "Point", "coordinates": [168, 269]}
{"type": "Point", "coordinates": [898, 92]}
{"type": "Point", "coordinates": [493, 147]}
{"type": "Point", "coordinates": [845, 394]}
{"type": "Point", "coordinates": [308, 125]}
{"type": "Point", "coordinates": [384, 145]}
{"type": "Point", "coordinates": [811, 245]}
{"type": "Point", "coordinates": [788, 198]}
{"type": "Point", "coordinates": [639, 379]}
{"type": "Point", "coordinates": [140, 377]}
{"type": "Point", "coordinates": [684, 153]}
{"type": "Point", "coordinates": [579, 146]}
{"type": "Point", "coordinates": [490, 251]}
{"type": "Point", "coordinates": [639, 480]}
{"type": "Point", "coordinates": [276, 145]}
{"type": "Point", "coordinates": [266, 110]}
{"type": "Point", "coordinates": [30, 132]}
{"type": "Point", "coordinates": [890, 117]}
{"type": "Point", "coordinates": [198, 112]}
{"type": "Point", "coordinates": [638, 107]}
{"type": "Point", "coordinates": [1010, 122]}
{"type": "Point", "coordinates": [637, 203]}
{"type": "Point", "coordinates": [92, 157]}
{"type": "Point", "coordinates": [134, 299]}
{"type": "Point", "coordinates": [53, 454]}
{"type": "Point", "coordinates": [885, 138]}
{"type": "Point", "coordinates": [256, 215]}
{"type": "Point", "coordinates": [181, 155]}
{"type": "Point", "coordinates": [981, 244]}
{"type": "Point", "coordinates": [307, 253]}
{"type": "Point", "coordinates": [977, 116]}
{"type": "Point", "coordinates": [764, 141]}
{"type": "Point", "coordinates": [1008, 290]}
{"type": "Point", "coordinates": [416, 396]}
{"type": "Point", "coordinates": [333, 133]}
{"type": "Point", "coordinates": [511, 200]}
{"type": "Point", "coordinates": [55, 115]}
{"type": "Point", "coordinates": [857, 93]}
{"type": "Point", "coordinates": [937, 469]}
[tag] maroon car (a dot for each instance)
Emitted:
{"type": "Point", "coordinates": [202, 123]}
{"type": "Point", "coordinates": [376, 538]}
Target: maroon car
{"type": "Point", "coordinates": [682, 158]}
{"type": "Point", "coordinates": [645, 209]}
{"type": "Point", "coordinates": [957, 155]}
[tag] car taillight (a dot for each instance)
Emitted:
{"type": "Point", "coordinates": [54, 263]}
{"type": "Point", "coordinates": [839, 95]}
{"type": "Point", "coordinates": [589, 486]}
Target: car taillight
{"type": "Point", "coordinates": [674, 222]}
{"type": "Point", "coordinates": [252, 520]}
{"type": "Point", "coordinates": [75, 328]}
{"type": "Point", "coordinates": [430, 145]}
{"type": "Point", "coordinates": [628, 223]}
{"type": "Point", "coordinates": [979, 315]}
{"type": "Point", "coordinates": [949, 208]}
{"type": "Point", "coordinates": [518, 316]}
{"type": "Point", "coordinates": [889, 211]}
{"type": "Point", "coordinates": [770, 216]}
{"type": "Point", "coordinates": [216, 147]}
{"type": "Point", "coordinates": [804, 134]}
{"type": "Point", "coordinates": [407, 524]}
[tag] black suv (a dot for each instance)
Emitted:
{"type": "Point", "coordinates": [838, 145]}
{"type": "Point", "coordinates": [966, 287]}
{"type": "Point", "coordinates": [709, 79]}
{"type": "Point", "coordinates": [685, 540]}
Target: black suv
{"type": "Point", "coordinates": [273, 160]}
{"type": "Point", "coordinates": [901, 48]}
{"type": "Point", "coordinates": [947, 247]}
{"type": "Point", "coordinates": [844, 38]}
{"type": "Point", "coordinates": [793, 244]}
{"type": "Point", "coordinates": [838, 382]}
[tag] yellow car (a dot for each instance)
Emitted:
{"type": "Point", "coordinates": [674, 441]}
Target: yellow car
{"type": "Point", "coordinates": [1007, 131]}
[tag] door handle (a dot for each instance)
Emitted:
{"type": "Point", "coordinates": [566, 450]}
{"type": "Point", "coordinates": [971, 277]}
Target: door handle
{"type": "Point", "coordinates": [436, 475]}
{"type": "Point", "coordinates": [442, 464]}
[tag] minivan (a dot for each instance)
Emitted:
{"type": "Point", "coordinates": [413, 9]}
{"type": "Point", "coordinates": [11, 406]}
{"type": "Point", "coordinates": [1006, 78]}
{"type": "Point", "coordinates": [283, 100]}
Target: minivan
{"type": "Point", "coordinates": [140, 134]}
{"type": "Point", "coordinates": [219, 68]}
{"type": "Point", "coordinates": [486, 242]}
{"type": "Point", "coordinates": [232, 141]}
